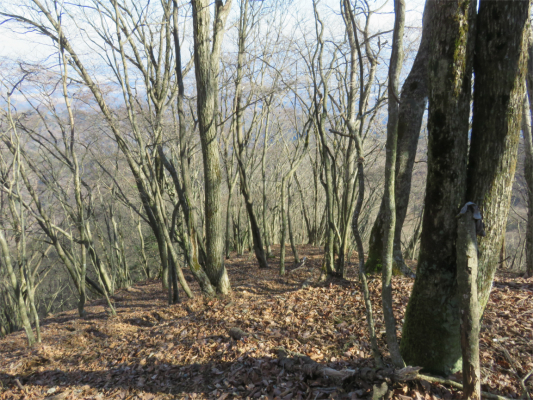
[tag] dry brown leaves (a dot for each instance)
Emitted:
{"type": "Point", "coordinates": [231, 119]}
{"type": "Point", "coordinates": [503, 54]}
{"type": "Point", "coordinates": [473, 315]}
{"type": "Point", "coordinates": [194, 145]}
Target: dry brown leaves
{"type": "Point", "coordinates": [155, 351]}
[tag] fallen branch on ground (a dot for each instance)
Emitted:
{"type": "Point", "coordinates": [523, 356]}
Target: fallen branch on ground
{"type": "Point", "coordinates": [299, 267]}
{"type": "Point", "coordinates": [303, 363]}
{"type": "Point", "coordinates": [457, 385]}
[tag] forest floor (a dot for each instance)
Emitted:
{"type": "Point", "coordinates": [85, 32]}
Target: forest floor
{"type": "Point", "coordinates": [155, 351]}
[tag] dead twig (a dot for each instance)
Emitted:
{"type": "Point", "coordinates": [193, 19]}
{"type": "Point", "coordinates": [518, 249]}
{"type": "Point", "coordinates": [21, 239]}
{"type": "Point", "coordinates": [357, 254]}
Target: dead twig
{"type": "Point", "coordinates": [19, 385]}
{"type": "Point", "coordinates": [457, 385]}
{"type": "Point", "coordinates": [514, 371]}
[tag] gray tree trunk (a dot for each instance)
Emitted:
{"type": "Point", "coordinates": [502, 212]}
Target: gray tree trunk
{"type": "Point", "coordinates": [17, 288]}
{"type": "Point", "coordinates": [289, 224]}
{"type": "Point", "coordinates": [412, 106]}
{"type": "Point", "coordinates": [430, 335]}
{"type": "Point", "coordinates": [467, 265]}
{"type": "Point", "coordinates": [500, 66]}
{"type": "Point", "coordinates": [528, 166]}
{"type": "Point", "coordinates": [206, 66]}
{"type": "Point", "coordinates": [390, 167]}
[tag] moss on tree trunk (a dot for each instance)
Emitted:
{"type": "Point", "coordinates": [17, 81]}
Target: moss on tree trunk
{"type": "Point", "coordinates": [431, 336]}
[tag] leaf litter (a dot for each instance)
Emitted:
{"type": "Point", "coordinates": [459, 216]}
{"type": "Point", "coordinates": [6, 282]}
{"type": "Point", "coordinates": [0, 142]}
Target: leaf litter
{"type": "Point", "coordinates": [226, 348]}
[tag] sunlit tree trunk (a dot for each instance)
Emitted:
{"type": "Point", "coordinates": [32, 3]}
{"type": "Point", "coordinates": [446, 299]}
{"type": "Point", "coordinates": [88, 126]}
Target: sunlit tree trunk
{"type": "Point", "coordinates": [500, 66]}
{"type": "Point", "coordinates": [207, 59]}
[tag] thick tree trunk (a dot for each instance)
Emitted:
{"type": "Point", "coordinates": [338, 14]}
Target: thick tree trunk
{"type": "Point", "coordinates": [206, 65]}
{"type": "Point", "coordinates": [412, 106]}
{"type": "Point", "coordinates": [500, 66]}
{"type": "Point", "coordinates": [431, 337]}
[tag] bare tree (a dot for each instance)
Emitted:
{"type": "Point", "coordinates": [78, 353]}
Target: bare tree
{"type": "Point", "coordinates": [207, 47]}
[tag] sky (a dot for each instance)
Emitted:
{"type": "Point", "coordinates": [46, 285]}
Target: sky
{"type": "Point", "coordinates": [34, 47]}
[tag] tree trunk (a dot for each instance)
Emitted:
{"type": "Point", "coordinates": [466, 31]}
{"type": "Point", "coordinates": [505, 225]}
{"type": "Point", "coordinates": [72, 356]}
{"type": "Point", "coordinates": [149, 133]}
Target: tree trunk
{"type": "Point", "coordinates": [412, 107]}
{"type": "Point", "coordinates": [283, 230]}
{"type": "Point", "coordinates": [206, 65]}
{"type": "Point", "coordinates": [289, 223]}
{"type": "Point", "coordinates": [467, 265]}
{"type": "Point", "coordinates": [228, 223]}
{"type": "Point", "coordinates": [390, 166]}
{"type": "Point", "coordinates": [410, 251]}
{"type": "Point", "coordinates": [431, 331]}
{"type": "Point", "coordinates": [500, 66]}
{"type": "Point", "coordinates": [264, 197]}
{"type": "Point", "coordinates": [17, 289]}
{"type": "Point", "coordinates": [528, 174]}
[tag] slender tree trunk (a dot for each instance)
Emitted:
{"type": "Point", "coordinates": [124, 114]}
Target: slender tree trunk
{"type": "Point", "coordinates": [467, 257]}
{"type": "Point", "coordinates": [81, 287]}
{"type": "Point", "coordinates": [239, 111]}
{"type": "Point", "coordinates": [390, 167]}
{"type": "Point", "coordinates": [355, 131]}
{"type": "Point", "coordinates": [163, 256]}
{"type": "Point", "coordinates": [362, 274]}
{"type": "Point", "coordinates": [146, 267]}
{"type": "Point", "coordinates": [228, 223]}
{"type": "Point", "coordinates": [283, 230]}
{"type": "Point", "coordinates": [206, 65]}
{"type": "Point", "coordinates": [528, 173]}
{"type": "Point", "coordinates": [289, 222]}
{"type": "Point", "coordinates": [431, 332]}
{"type": "Point", "coordinates": [500, 66]}
{"type": "Point", "coordinates": [410, 251]}
{"type": "Point", "coordinates": [264, 189]}
{"type": "Point", "coordinates": [412, 107]}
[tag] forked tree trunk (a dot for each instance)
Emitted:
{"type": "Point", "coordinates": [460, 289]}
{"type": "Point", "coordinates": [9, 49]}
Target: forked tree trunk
{"type": "Point", "coordinates": [500, 66]}
{"type": "Point", "coordinates": [17, 288]}
{"type": "Point", "coordinates": [430, 336]}
{"type": "Point", "coordinates": [348, 14]}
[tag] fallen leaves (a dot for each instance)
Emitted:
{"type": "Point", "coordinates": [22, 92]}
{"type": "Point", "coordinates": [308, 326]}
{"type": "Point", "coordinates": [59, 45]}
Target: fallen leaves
{"type": "Point", "coordinates": [155, 351]}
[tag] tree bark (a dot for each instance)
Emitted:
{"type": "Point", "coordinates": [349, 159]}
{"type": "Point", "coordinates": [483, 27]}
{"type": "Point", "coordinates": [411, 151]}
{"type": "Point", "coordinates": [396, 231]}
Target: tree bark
{"type": "Point", "coordinates": [412, 106]}
{"type": "Point", "coordinates": [528, 174]}
{"type": "Point", "coordinates": [467, 259]}
{"type": "Point", "coordinates": [206, 66]}
{"type": "Point", "coordinates": [390, 166]}
{"type": "Point", "coordinates": [430, 335]}
{"type": "Point", "coordinates": [500, 66]}
{"type": "Point", "coordinates": [257, 240]}
{"type": "Point", "coordinates": [17, 289]}
{"type": "Point", "coordinates": [528, 167]}
{"type": "Point", "coordinates": [289, 224]}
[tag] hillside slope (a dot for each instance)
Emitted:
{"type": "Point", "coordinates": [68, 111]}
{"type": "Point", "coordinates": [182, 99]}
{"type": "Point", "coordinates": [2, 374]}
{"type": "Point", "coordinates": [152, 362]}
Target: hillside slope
{"type": "Point", "coordinates": [155, 351]}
